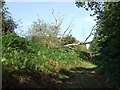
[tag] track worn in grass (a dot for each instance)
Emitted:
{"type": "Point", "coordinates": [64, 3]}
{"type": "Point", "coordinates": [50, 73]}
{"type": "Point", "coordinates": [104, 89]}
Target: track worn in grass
{"type": "Point", "coordinates": [84, 76]}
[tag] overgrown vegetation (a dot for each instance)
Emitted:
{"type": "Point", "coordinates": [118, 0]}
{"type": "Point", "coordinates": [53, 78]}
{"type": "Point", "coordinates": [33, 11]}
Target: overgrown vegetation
{"type": "Point", "coordinates": [21, 56]}
{"type": "Point", "coordinates": [106, 42]}
{"type": "Point", "coordinates": [41, 60]}
{"type": "Point", "coordinates": [8, 24]}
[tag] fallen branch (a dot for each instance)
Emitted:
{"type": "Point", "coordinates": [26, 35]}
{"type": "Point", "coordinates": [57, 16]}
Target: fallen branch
{"type": "Point", "coordinates": [75, 44]}
{"type": "Point", "coordinates": [90, 33]}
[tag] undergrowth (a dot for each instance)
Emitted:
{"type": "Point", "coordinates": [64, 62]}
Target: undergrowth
{"type": "Point", "coordinates": [24, 59]}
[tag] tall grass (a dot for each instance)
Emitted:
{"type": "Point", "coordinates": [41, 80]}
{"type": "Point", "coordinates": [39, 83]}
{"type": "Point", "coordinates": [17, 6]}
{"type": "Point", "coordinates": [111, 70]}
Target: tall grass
{"type": "Point", "coordinates": [20, 56]}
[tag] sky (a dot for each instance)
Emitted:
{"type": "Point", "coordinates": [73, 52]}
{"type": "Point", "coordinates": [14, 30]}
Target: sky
{"type": "Point", "coordinates": [28, 12]}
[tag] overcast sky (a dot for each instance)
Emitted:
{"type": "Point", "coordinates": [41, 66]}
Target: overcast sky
{"type": "Point", "coordinates": [28, 12]}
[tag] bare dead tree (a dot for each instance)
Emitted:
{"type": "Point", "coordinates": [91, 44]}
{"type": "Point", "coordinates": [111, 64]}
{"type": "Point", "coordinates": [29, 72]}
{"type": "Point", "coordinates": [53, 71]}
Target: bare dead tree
{"type": "Point", "coordinates": [70, 25]}
{"type": "Point", "coordinates": [90, 33]}
{"type": "Point", "coordinates": [75, 44]}
{"type": "Point", "coordinates": [58, 20]}
{"type": "Point", "coordinates": [69, 32]}
{"type": "Point", "coordinates": [67, 28]}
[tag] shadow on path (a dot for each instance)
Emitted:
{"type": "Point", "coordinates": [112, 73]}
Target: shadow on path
{"type": "Point", "coordinates": [80, 77]}
{"type": "Point", "coordinates": [77, 77]}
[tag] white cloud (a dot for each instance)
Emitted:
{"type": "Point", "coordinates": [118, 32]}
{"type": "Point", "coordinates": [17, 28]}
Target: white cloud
{"type": "Point", "coordinates": [90, 20]}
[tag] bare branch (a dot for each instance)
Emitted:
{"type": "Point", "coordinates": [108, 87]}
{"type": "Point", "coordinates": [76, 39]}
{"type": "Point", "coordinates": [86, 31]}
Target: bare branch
{"type": "Point", "coordinates": [75, 44]}
{"type": "Point", "coordinates": [69, 32]}
{"type": "Point", "coordinates": [67, 29]}
{"type": "Point", "coordinates": [54, 17]}
{"type": "Point", "coordinates": [90, 33]}
{"type": "Point", "coordinates": [58, 20]}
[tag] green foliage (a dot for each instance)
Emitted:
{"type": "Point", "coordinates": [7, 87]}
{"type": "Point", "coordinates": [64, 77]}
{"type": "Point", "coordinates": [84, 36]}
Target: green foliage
{"type": "Point", "coordinates": [39, 28]}
{"type": "Point", "coordinates": [8, 24]}
{"type": "Point", "coordinates": [69, 40]}
{"type": "Point", "coordinates": [44, 34]}
{"type": "Point", "coordinates": [11, 40]}
{"type": "Point", "coordinates": [48, 41]}
{"type": "Point", "coordinates": [85, 55]}
{"type": "Point", "coordinates": [20, 56]}
{"type": "Point", "coordinates": [80, 48]}
{"type": "Point", "coordinates": [43, 52]}
{"type": "Point", "coordinates": [106, 41]}
{"type": "Point", "coordinates": [95, 6]}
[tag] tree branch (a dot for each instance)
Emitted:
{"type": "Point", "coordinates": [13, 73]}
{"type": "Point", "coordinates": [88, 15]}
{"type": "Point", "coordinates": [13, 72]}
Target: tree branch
{"type": "Point", "coordinates": [90, 33]}
{"type": "Point", "coordinates": [75, 44]}
{"type": "Point", "coordinates": [67, 29]}
{"type": "Point", "coordinates": [56, 21]}
{"type": "Point", "coordinates": [69, 32]}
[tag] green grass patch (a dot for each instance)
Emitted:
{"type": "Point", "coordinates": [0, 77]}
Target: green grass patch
{"type": "Point", "coordinates": [25, 62]}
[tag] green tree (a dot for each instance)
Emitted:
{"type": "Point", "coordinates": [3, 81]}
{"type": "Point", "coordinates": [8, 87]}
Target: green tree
{"type": "Point", "coordinates": [8, 24]}
{"type": "Point", "coordinates": [106, 40]}
{"type": "Point", "coordinates": [69, 39]}
{"type": "Point", "coordinates": [49, 34]}
{"type": "Point", "coordinates": [45, 34]}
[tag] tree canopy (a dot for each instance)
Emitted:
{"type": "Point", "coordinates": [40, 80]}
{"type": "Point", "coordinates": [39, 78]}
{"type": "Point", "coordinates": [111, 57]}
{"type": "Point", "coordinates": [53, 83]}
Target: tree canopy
{"type": "Point", "coordinates": [44, 60]}
{"type": "Point", "coordinates": [106, 39]}
{"type": "Point", "coordinates": [8, 24]}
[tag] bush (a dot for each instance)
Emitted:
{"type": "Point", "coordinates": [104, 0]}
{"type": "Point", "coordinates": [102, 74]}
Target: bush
{"type": "Point", "coordinates": [47, 41]}
{"type": "Point", "coordinates": [11, 40]}
{"type": "Point", "coordinates": [69, 40]}
{"type": "Point", "coordinates": [21, 58]}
